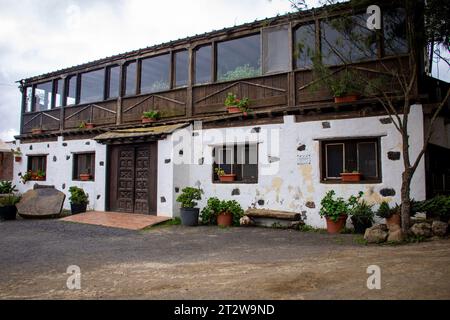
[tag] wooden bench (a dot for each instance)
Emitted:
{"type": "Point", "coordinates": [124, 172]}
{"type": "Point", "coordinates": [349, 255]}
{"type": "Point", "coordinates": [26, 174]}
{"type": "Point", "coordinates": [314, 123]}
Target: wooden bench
{"type": "Point", "coordinates": [271, 218]}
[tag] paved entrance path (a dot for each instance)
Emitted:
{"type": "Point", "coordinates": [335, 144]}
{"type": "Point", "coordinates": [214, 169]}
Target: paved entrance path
{"type": "Point", "coordinates": [119, 220]}
{"type": "Point", "coordinates": [211, 263]}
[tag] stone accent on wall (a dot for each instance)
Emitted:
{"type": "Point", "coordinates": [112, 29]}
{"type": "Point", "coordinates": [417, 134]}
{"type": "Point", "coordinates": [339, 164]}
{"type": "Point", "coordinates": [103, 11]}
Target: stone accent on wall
{"type": "Point", "coordinates": [255, 130]}
{"type": "Point", "coordinates": [54, 159]}
{"type": "Point", "coordinates": [163, 199]}
{"type": "Point", "coordinates": [301, 147]}
{"type": "Point", "coordinates": [235, 192]}
{"type": "Point", "coordinates": [310, 204]}
{"type": "Point", "coordinates": [387, 192]}
{"type": "Point", "coordinates": [326, 125]}
{"type": "Point", "coordinates": [167, 161]}
{"type": "Point", "coordinates": [394, 155]}
{"type": "Point", "coordinates": [261, 202]}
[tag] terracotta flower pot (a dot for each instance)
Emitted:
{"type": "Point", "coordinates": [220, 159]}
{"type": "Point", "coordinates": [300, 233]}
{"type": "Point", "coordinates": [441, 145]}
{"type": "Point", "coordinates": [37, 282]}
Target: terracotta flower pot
{"type": "Point", "coordinates": [351, 177]}
{"type": "Point", "coordinates": [18, 158]}
{"type": "Point", "coordinates": [334, 227]}
{"type": "Point", "coordinates": [36, 131]}
{"type": "Point", "coordinates": [225, 219]}
{"type": "Point", "coordinates": [148, 120]}
{"type": "Point", "coordinates": [90, 125]}
{"type": "Point", "coordinates": [39, 178]}
{"type": "Point", "coordinates": [233, 109]}
{"type": "Point", "coordinates": [395, 219]}
{"type": "Point", "coordinates": [227, 178]}
{"type": "Point", "coordinates": [348, 98]}
{"type": "Point", "coordinates": [85, 176]}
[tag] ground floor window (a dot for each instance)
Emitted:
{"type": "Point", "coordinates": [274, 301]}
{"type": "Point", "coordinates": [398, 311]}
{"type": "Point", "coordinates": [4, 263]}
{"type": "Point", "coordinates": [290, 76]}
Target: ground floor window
{"type": "Point", "coordinates": [238, 160]}
{"type": "Point", "coordinates": [37, 166]}
{"type": "Point", "coordinates": [357, 156]}
{"type": "Point", "coordinates": [84, 166]}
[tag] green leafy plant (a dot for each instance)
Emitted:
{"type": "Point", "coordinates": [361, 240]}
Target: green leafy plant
{"type": "Point", "coordinates": [232, 101]}
{"type": "Point", "coordinates": [7, 187]}
{"type": "Point", "coordinates": [219, 171]}
{"type": "Point", "coordinates": [439, 206]}
{"type": "Point", "coordinates": [10, 200]}
{"type": "Point", "coordinates": [40, 174]}
{"type": "Point", "coordinates": [78, 196]}
{"type": "Point", "coordinates": [82, 125]}
{"type": "Point", "coordinates": [188, 196]}
{"type": "Point", "coordinates": [240, 72]}
{"type": "Point", "coordinates": [215, 207]}
{"type": "Point", "coordinates": [333, 208]}
{"type": "Point", "coordinates": [16, 152]}
{"type": "Point", "coordinates": [362, 212]}
{"type": "Point", "coordinates": [385, 211]}
{"type": "Point", "coordinates": [152, 114]}
{"type": "Point", "coordinates": [24, 178]}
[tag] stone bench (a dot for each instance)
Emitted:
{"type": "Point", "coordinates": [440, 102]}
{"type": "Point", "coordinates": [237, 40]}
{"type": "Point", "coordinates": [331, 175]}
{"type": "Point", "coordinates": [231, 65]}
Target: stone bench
{"type": "Point", "coordinates": [274, 218]}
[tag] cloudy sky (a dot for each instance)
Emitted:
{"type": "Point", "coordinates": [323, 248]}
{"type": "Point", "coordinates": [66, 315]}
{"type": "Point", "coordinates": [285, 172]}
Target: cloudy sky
{"type": "Point", "coordinates": [39, 36]}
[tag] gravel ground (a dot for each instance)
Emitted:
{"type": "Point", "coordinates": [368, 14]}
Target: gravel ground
{"type": "Point", "coordinates": [208, 262]}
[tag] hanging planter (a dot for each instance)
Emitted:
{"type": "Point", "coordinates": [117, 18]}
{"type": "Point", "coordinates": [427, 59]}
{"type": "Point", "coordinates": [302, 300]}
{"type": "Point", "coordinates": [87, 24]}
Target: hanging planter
{"type": "Point", "coordinates": [85, 177]}
{"type": "Point", "coordinates": [36, 131]}
{"type": "Point", "coordinates": [346, 98]}
{"type": "Point", "coordinates": [233, 109]}
{"type": "Point", "coordinates": [90, 125]}
{"type": "Point", "coordinates": [150, 116]}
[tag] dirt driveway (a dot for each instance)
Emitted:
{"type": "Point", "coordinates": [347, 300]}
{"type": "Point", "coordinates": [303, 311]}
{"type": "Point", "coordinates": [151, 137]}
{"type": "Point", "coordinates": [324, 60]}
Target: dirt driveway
{"type": "Point", "coordinates": [212, 263]}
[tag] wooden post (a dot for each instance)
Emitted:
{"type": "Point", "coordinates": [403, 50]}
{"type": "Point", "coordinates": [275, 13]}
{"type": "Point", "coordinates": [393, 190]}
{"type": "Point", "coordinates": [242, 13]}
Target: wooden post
{"type": "Point", "coordinates": [121, 93]}
{"type": "Point", "coordinates": [189, 99]}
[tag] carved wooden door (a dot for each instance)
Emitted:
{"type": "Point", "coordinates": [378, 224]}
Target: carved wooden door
{"type": "Point", "coordinates": [133, 179]}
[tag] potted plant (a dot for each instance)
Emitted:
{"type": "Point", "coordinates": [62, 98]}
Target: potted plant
{"type": "Point", "coordinates": [150, 116]}
{"type": "Point", "coordinates": [354, 176]}
{"type": "Point", "coordinates": [336, 210]}
{"type": "Point", "coordinates": [224, 177]}
{"type": "Point", "coordinates": [40, 175]}
{"type": "Point", "coordinates": [17, 154]}
{"type": "Point", "coordinates": [362, 216]}
{"type": "Point", "coordinates": [189, 213]}
{"type": "Point", "coordinates": [392, 215]}
{"type": "Point", "coordinates": [78, 200]}
{"type": "Point", "coordinates": [37, 130]}
{"type": "Point", "coordinates": [224, 213]}
{"type": "Point", "coordinates": [8, 208]}
{"type": "Point", "coordinates": [24, 178]}
{"type": "Point", "coordinates": [236, 105]}
{"type": "Point", "coordinates": [85, 176]}
{"type": "Point", "coordinates": [6, 187]}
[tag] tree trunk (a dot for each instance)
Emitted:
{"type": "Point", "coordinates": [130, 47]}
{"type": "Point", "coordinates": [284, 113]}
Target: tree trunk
{"type": "Point", "coordinates": [405, 199]}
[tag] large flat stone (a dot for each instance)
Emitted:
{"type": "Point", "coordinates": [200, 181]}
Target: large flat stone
{"type": "Point", "coordinates": [41, 203]}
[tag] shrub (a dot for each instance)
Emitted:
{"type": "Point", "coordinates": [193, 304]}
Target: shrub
{"type": "Point", "coordinates": [333, 208]}
{"type": "Point", "coordinates": [188, 196]}
{"type": "Point", "coordinates": [385, 211]}
{"type": "Point", "coordinates": [439, 206]}
{"type": "Point", "coordinates": [78, 196]}
{"type": "Point", "coordinates": [215, 206]}
{"type": "Point", "coordinates": [152, 114]}
{"type": "Point", "coordinates": [363, 212]}
{"type": "Point", "coordinates": [10, 200]}
{"type": "Point", "coordinates": [7, 187]}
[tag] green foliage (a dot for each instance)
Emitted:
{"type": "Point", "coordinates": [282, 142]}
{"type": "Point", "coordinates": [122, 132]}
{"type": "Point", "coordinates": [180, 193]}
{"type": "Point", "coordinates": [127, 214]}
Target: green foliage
{"type": "Point", "coordinates": [215, 207]}
{"type": "Point", "coordinates": [219, 171]}
{"type": "Point", "coordinates": [188, 196]}
{"type": "Point", "coordinates": [438, 206]}
{"type": "Point", "coordinates": [40, 173]}
{"type": "Point", "coordinates": [245, 71]}
{"type": "Point", "coordinates": [233, 101]}
{"type": "Point", "coordinates": [333, 208]}
{"type": "Point", "coordinates": [385, 211]}
{"type": "Point", "coordinates": [308, 228]}
{"type": "Point", "coordinates": [7, 187]}
{"type": "Point", "coordinates": [341, 83]}
{"type": "Point", "coordinates": [17, 152]}
{"type": "Point", "coordinates": [82, 125]}
{"type": "Point", "coordinates": [362, 212]}
{"type": "Point", "coordinates": [78, 196]}
{"type": "Point", "coordinates": [24, 178]}
{"type": "Point", "coordinates": [9, 200]}
{"type": "Point", "coordinates": [152, 114]}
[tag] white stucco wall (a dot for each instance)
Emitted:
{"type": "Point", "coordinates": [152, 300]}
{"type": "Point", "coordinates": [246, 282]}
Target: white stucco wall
{"type": "Point", "coordinates": [287, 183]}
{"type": "Point", "coordinates": [59, 172]}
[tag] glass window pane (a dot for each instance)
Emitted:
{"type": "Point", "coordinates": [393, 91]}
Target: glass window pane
{"type": "Point", "coordinates": [367, 159]}
{"type": "Point", "coordinates": [92, 86]}
{"type": "Point", "coordinates": [71, 90]}
{"type": "Point", "coordinates": [59, 93]}
{"type": "Point", "coordinates": [239, 58]}
{"type": "Point", "coordinates": [114, 82]}
{"type": "Point", "coordinates": [28, 98]}
{"type": "Point", "coordinates": [130, 85]}
{"type": "Point", "coordinates": [203, 65]}
{"type": "Point", "coordinates": [304, 45]}
{"type": "Point", "coordinates": [394, 27]}
{"type": "Point", "coordinates": [43, 96]}
{"type": "Point", "coordinates": [335, 160]}
{"type": "Point", "coordinates": [181, 68]}
{"type": "Point", "coordinates": [155, 74]}
{"type": "Point", "coordinates": [347, 39]}
{"type": "Point", "coordinates": [275, 49]}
